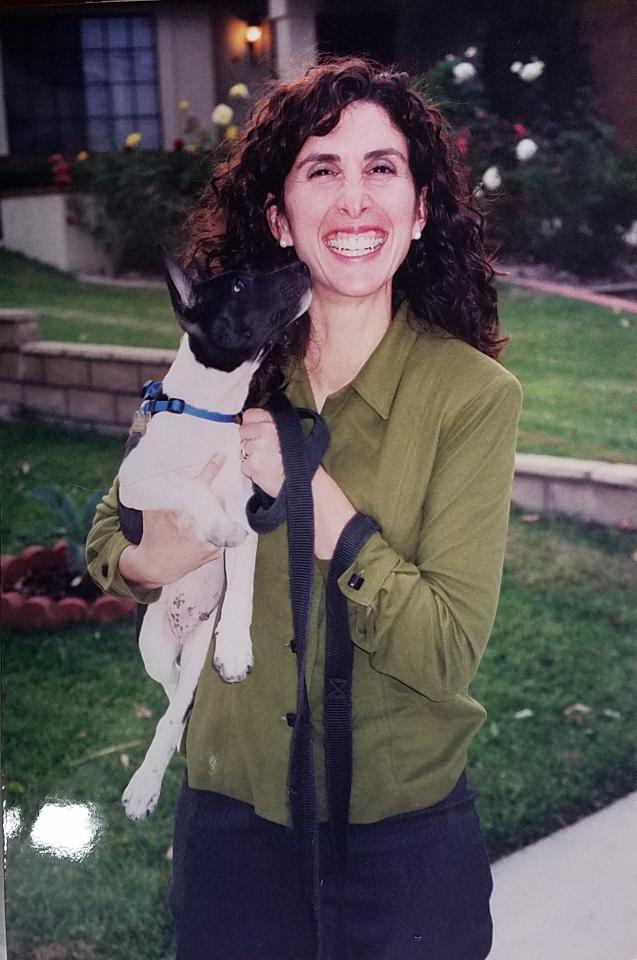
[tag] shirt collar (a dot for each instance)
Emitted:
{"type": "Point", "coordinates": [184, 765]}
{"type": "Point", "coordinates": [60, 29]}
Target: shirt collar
{"type": "Point", "coordinates": [377, 381]}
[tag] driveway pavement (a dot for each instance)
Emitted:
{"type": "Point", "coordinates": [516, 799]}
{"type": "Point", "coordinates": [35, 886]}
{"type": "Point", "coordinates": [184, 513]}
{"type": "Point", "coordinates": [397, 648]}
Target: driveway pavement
{"type": "Point", "coordinates": [572, 895]}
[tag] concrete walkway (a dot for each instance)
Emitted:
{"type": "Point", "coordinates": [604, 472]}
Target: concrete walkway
{"type": "Point", "coordinates": [572, 895]}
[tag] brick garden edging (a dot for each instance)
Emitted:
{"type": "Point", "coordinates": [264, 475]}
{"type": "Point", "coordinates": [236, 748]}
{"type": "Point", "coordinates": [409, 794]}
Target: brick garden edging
{"type": "Point", "coordinates": [28, 613]}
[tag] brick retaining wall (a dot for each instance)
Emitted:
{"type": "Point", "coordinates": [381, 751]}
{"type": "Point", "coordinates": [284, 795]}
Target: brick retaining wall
{"type": "Point", "coordinates": [74, 383]}
{"type": "Point", "coordinates": [98, 386]}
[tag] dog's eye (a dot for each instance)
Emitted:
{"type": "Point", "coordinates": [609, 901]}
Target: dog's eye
{"type": "Point", "coordinates": [238, 285]}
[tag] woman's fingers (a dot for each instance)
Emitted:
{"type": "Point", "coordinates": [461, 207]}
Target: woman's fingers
{"type": "Point", "coordinates": [260, 451]}
{"type": "Point", "coordinates": [212, 468]}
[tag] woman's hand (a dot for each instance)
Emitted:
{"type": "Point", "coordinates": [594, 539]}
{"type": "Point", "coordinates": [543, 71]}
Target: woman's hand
{"type": "Point", "coordinates": [261, 454]}
{"type": "Point", "coordinates": [171, 546]}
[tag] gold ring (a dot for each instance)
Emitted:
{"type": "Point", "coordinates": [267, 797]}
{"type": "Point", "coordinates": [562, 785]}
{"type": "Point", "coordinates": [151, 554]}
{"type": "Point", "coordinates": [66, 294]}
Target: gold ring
{"type": "Point", "coordinates": [244, 452]}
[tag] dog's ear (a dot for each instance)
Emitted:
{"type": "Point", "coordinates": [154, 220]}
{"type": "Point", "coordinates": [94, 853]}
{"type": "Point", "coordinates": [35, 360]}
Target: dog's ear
{"type": "Point", "coordinates": [180, 285]}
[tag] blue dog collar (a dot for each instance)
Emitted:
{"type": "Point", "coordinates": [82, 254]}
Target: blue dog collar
{"type": "Point", "coordinates": [156, 401]}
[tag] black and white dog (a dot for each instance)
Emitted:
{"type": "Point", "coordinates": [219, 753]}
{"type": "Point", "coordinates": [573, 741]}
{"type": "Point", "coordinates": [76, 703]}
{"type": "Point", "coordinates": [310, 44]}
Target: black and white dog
{"type": "Point", "coordinates": [229, 323]}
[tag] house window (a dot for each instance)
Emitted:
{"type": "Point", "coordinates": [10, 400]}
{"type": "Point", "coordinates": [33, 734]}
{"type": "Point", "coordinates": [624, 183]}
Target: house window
{"type": "Point", "coordinates": [79, 83]}
{"type": "Point", "coordinates": [120, 81]}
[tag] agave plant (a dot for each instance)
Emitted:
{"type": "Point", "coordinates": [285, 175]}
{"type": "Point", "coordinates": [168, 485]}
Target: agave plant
{"type": "Point", "coordinates": [71, 519]}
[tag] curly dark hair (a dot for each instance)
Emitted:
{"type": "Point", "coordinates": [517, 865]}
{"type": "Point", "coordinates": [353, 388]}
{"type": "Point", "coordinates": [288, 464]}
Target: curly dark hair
{"type": "Point", "coordinates": [446, 277]}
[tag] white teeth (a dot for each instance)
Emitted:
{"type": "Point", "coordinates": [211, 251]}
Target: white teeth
{"type": "Point", "coordinates": [353, 245]}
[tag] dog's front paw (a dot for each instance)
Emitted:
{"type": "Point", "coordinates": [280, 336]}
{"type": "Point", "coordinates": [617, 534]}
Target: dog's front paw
{"type": "Point", "coordinates": [233, 657]}
{"type": "Point", "coordinates": [141, 795]}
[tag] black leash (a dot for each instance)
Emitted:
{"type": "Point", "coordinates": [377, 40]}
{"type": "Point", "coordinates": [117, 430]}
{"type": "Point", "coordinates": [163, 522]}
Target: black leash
{"type": "Point", "coordinates": [301, 457]}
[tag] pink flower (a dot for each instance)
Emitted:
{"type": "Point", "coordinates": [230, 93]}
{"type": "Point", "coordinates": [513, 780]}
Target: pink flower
{"type": "Point", "coordinates": [519, 130]}
{"type": "Point", "coordinates": [179, 144]}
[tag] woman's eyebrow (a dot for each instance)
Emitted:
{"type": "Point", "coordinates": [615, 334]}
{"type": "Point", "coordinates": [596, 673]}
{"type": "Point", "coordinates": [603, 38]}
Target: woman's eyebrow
{"type": "Point", "coordinates": [334, 157]}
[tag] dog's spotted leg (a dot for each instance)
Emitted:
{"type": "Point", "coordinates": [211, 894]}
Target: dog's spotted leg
{"type": "Point", "coordinates": [141, 795]}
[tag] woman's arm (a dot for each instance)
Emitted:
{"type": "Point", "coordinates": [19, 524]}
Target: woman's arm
{"type": "Point", "coordinates": [427, 623]}
{"type": "Point", "coordinates": [171, 546]}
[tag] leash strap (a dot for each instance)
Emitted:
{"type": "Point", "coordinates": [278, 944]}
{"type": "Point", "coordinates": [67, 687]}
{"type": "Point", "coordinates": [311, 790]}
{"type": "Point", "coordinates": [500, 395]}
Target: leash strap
{"type": "Point", "coordinates": [301, 457]}
{"type": "Point", "coordinates": [337, 689]}
{"type": "Point", "coordinates": [300, 460]}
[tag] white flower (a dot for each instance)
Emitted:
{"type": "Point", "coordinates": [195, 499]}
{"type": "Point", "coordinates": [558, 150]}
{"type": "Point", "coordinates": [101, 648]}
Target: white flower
{"type": "Point", "coordinates": [550, 227]}
{"type": "Point", "coordinates": [531, 71]}
{"type": "Point", "coordinates": [239, 90]}
{"type": "Point", "coordinates": [470, 52]}
{"type": "Point", "coordinates": [491, 178]}
{"type": "Point", "coordinates": [624, 322]}
{"type": "Point", "coordinates": [516, 67]}
{"type": "Point", "coordinates": [464, 71]}
{"type": "Point", "coordinates": [523, 714]}
{"type": "Point", "coordinates": [222, 114]}
{"type": "Point", "coordinates": [450, 56]}
{"type": "Point", "coordinates": [525, 149]}
{"type": "Point", "coordinates": [630, 237]}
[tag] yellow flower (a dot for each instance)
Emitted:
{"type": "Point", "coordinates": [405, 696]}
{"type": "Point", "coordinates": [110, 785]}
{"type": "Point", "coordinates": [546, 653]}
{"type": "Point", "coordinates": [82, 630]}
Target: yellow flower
{"type": "Point", "coordinates": [222, 114]}
{"type": "Point", "coordinates": [240, 91]}
{"type": "Point", "coordinates": [191, 147]}
{"type": "Point", "coordinates": [133, 139]}
{"type": "Point", "coordinates": [82, 155]}
{"type": "Point", "coordinates": [231, 132]}
{"type": "Point", "coordinates": [184, 104]}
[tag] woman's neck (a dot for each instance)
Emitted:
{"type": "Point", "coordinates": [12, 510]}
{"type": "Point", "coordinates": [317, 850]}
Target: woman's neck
{"type": "Point", "coordinates": [343, 336]}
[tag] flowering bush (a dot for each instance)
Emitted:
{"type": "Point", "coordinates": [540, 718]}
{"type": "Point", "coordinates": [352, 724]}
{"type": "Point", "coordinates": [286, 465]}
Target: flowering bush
{"type": "Point", "coordinates": [554, 189]}
{"type": "Point", "coordinates": [143, 195]}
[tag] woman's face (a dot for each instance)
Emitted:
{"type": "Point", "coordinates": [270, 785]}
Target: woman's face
{"type": "Point", "coordinates": [351, 210]}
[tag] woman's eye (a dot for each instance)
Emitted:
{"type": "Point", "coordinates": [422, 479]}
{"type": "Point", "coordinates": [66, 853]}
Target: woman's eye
{"type": "Point", "coordinates": [238, 285]}
{"type": "Point", "coordinates": [321, 172]}
{"type": "Point", "coordinates": [382, 168]}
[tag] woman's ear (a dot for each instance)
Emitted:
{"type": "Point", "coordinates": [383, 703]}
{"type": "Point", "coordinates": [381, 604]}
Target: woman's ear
{"type": "Point", "coordinates": [421, 211]}
{"type": "Point", "coordinates": [277, 221]}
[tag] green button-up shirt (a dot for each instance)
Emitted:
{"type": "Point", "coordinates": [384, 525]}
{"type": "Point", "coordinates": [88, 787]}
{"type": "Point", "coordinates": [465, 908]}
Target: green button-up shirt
{"type": "Point", "coordinates": [423, 440]}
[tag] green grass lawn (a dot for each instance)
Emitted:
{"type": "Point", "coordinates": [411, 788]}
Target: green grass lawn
{"type": "Point", "coordinates": [575, 360]}
{"type": "Point", "coordinates": [565, 634]}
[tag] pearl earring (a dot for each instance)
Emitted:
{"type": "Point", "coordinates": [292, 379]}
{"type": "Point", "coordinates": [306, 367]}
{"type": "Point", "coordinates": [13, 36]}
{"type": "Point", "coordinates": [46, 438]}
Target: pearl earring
{"type": "Point", "coordinates": [417, 234]}
{"type": "Point", "coordinates": [283, 243]}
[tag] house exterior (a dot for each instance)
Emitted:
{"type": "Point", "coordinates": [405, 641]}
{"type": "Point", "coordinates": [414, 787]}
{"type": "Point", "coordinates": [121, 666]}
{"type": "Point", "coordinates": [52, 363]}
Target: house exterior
{"type": "Point", "coordinates": [82, 76]}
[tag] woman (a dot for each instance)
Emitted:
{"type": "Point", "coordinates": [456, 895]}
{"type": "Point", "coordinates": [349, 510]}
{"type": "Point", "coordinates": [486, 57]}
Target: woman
{"type": "Point", "coordinates": [356, 175]}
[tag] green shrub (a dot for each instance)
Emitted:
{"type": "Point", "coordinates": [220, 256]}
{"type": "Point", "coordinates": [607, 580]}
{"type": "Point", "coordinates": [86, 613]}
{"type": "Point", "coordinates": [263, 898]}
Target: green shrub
{"type": "Point", "coordinates": [142, 198]}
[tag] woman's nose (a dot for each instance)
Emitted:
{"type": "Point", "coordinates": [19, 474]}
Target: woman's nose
{"type": "Point", "coordinates": [354, 199]}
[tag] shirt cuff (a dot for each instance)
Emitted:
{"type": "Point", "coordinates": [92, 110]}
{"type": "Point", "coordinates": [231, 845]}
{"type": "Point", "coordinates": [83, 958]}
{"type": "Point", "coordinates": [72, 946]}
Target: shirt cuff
{"type": "Point", "coordinates": [106, 574]}
{"type": "Point", "coordinates": [363, 579]}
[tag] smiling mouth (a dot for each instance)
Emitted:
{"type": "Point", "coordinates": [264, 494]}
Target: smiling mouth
{"type": "Point", "coordinates": [355, 244]}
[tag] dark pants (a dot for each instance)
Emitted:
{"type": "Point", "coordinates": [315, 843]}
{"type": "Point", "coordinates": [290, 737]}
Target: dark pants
{"type": "Point", "coordinates": [417, 888]}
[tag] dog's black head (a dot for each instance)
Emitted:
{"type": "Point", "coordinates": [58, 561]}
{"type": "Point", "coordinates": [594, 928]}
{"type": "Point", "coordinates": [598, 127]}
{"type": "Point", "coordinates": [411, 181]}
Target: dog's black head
{"type": "Point", "coordinates": [233, 317]}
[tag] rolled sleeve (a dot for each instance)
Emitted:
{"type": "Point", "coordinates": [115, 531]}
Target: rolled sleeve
{"type": "Point", "coordinates": [104, 547]}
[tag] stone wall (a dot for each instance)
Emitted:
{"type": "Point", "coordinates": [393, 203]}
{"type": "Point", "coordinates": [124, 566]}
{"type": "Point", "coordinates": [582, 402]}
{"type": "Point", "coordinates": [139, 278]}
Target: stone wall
{"type": "Point", "coordinates": [75, 383]}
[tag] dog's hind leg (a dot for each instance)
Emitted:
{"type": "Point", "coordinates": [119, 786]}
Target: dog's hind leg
{"type": "Point", "coordinates": [159, 646]}
{"type": "Point", "coordinates": [142, 793]}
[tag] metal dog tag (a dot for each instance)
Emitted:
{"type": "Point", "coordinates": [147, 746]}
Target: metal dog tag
{"type": "Point", "coordinates": [140, 420]}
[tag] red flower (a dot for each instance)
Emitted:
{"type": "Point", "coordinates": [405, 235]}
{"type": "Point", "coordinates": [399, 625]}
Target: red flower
{"type": "Point", "coordinates": [60, 170]}
{"type": "Point", "coordinates": [519, 130]}
{"type": "Point", "coordinates": [462, 140]}
{"type": "Point", "coordinates": [179, 144]}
